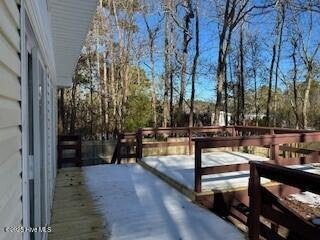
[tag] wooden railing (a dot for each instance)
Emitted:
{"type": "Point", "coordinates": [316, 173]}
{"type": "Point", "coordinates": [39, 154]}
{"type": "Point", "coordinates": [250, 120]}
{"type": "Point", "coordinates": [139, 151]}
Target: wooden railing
{"type": "Point", "coordinates": [187, 132]}
{"type": "Point", "coordinates": [125, 143]}
{"type": "Point", "coordinates": [69, 143]}
{"type": "Point", "coordinates": [132, 145]}
{"type": "Point", "coordinates": [266, 204]}
{"type": "Point", "coordinates": [272, 141]}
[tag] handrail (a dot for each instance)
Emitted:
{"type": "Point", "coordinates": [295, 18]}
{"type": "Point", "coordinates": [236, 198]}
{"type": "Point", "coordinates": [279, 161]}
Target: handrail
{"type": "Point", "coordinates": [240, 131]}
{"type": "Point", "coordinates": [262, 200]}
{"type": "Point", "coordinates": [189, 131]}
{"type": "Point", "coordinates": [237, 136]}
{"type": "Point", "coordinates": [236, 141]}
{"type": "Point", "coordinates": [276, 129]}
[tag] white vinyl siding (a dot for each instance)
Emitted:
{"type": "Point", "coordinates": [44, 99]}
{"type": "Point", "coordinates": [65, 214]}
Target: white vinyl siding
{"type": "Point", "coordinates": [10, 120]}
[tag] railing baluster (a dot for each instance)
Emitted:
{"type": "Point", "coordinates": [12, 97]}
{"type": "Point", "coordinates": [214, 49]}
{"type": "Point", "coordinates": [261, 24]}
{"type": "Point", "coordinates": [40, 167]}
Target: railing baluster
{"type": "Point", "coordinates": [190, 140]}
{"type": "Point", "coordinates": [255, 203]}
{"type": "Point", "coordinates": [197, 168]}
{"type": "Point", "coordinates": [139, 144]}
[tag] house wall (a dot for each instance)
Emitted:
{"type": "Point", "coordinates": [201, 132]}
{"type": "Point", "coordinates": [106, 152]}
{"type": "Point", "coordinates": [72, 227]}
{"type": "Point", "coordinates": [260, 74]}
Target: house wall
{"type": "Point", "coordinates": [17, 169]}
{"type": "Point", "coordinates": [10, 120]}
{"type": "Point", "coordinates": [36, 24]}
{"type": "Point", "coordinates": [14, 162]}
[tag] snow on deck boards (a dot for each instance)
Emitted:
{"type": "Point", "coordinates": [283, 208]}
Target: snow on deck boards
{"type": "Point", "coordinates": [181, 169]}
{"type": "Point", "coordinates": [137, 205]}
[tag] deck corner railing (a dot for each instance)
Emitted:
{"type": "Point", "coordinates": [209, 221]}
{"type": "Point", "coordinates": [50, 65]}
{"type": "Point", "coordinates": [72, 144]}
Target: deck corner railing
{"type": "Point", "coordinates": [264, 203]}
{"type": "Point", "coordinates": [274, 140]}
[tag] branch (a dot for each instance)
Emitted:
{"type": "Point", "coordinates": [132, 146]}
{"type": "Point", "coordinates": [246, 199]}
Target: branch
{"type": "Point", "coordinates": [244, 13]}
{"type": "Point", "coordinates": [180, 26]}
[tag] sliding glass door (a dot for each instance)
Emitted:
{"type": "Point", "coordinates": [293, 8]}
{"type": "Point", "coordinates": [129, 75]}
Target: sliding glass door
{"type": "Point", "coordinates": [37, 136]}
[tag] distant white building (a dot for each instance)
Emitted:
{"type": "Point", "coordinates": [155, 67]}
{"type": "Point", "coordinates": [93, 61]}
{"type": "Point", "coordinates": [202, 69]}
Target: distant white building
{"type": "Point", "coordinates": [253, 116]}
{"type": "Point", "coordinates": [222, 116]}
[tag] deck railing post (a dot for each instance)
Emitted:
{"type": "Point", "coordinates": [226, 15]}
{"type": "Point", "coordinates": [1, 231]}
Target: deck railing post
{"type": "Point", "coordinates": [255, 203]}
{"type": "Point", "coordinates": [274, 148]}
{"type": "Point", "coordinates": [139, 144]}
{"type": "Point", "coordinates": [59, 154]}
{"type": "Point", "coordinates": [233, 132]}
{"type": "Point", "coordinates": [79, 155]}
{"type": "Point", "coordinates": [197, 168]}
{"type": "Point", "coordinates": [190, 140]}
{"type": "Point", "coordinates": [119, 148]}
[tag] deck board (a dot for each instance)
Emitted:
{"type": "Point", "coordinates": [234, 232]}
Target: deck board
{"type": "Point", "coordinates": [127, 202]}
{"type": "Point", "coordinates": [74, 214]}
{"type": "Point", "coordinates": [138, 205]}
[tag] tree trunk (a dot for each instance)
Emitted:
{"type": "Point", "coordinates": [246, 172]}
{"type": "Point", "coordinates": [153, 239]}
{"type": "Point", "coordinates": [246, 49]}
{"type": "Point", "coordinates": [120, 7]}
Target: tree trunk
{"type": "Point", "coordinates": [224, 43]}
{"type": "Point", "coordinates": [307, 93]}
{"type": "Point", "coordinates": [273, 60]}
{"type": "Point", "coordinates": [167, 61]}
{"type": "Point", "coordinates": [294, 79]}
{"type": "Point", "coordinates": [220, 83]}
{"type": "Point", "coordinates": [73, 114]}
{"type": "Point", "coordinates": [171, 101]}
{"type": "Point", "coordinates": [152, 37]}
{"type": "Point", "coordinates": [242, 105]}
{"type": "Point", "coordinates": [270, 85]}
{"type": "Point", "coordinates": [186, 39]}
{"type": "Point", "coordinates": [194, 68]}
{"type": "Point", "coordinates": [238, 92]}
{"type": "Point", "coordinates": [226, 97]}
{"type": "Point", "coordinates": [256, 97]}
{"type": "Point", "coordinates": [103, 99]}
{"type": "Point", "coordinates": [153, 96]}
{"type": "Point", "coordinates": [62, 118]}
{"type": "Point", "coordinates": [282, 12]}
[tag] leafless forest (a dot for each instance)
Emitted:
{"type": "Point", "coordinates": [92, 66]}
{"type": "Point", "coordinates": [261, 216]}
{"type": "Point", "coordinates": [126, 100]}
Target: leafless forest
{"type": "Point", "coordinates": [149, 63]}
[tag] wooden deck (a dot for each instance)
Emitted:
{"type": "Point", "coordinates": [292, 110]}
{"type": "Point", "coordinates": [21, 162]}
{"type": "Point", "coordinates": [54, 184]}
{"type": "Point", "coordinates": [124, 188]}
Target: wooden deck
{"type": "Point", "coordinates": [74, 215]}
{"type": "Point", "coordinates": [135, 205]}
{"type": "Point", "coordinates": [226, 194]}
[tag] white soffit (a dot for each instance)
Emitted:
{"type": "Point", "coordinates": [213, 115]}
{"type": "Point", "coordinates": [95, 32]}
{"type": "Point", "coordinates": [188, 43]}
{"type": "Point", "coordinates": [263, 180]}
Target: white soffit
{"type": "Point", "coordinates": [70, 21]}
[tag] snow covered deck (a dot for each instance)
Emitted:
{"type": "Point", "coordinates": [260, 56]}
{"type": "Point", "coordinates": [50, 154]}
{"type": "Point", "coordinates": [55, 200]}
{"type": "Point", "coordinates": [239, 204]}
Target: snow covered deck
{"type": "Point", "coordinates": [137, 205]}
{"type": "Point", "coordinates": [180, 168]}
{"type": "Point", "coordinates": [134, 204]}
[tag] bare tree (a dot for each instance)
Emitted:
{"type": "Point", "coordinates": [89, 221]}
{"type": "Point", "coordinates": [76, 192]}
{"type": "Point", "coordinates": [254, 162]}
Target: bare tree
{"type": "Point", "coordinates": [282, 14]}
{"type": "Point", "coordinates": [276, 47]}
{"type": "Point", "coordinates": [187, 4]}
{"type": "Point", "coordinates": [241, 75]}
{"type": "Point", "coordinates": [73, 114]}
{"type": "Point", "coordinates": [194, 65]}
{"type": "Point", "coordinates": [293, 33]}
{"type": "Point", "coordinates": [255, 65]}
{"type": "Point", "coordinates": [62, 115]}
{"type": "Point", "coordinates": [308, 56]}
{"type": "Point", "coordinates": [167, 59]}
{"type": "Point", "coordinates": [234, 12]}
{"type": "Point", "coordinates": [152, 34]}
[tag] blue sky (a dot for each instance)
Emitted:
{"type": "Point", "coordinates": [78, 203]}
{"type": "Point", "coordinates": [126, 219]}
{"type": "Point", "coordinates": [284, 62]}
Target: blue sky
{"type": "Point", "coordinates": [263, 25]}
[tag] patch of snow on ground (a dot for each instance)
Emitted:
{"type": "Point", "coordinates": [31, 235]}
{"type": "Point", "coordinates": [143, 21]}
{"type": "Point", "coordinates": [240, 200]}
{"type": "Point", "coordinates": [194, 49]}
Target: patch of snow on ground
{"type": "Point", "coordinates": [312, 199]}
{"type": "Point", "coordinates": [138, 205]}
